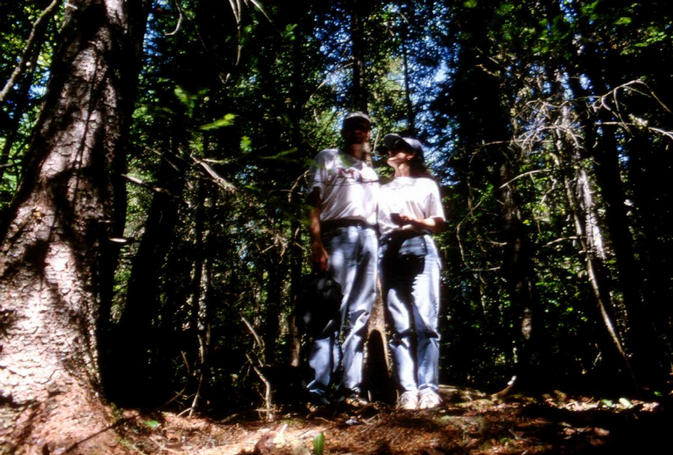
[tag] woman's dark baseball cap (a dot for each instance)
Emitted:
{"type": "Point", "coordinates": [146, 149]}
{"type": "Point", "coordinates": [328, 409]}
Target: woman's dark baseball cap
{"type": "Point", "coordinates": [393, 141]}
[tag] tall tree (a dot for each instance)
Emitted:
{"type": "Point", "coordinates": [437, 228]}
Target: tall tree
{"type": "Point", "coordinates": [481, 98]}
{"type": "Point", "coordinates": [57, 252]}
{"type": "Point", "coordinates": [606, 68]}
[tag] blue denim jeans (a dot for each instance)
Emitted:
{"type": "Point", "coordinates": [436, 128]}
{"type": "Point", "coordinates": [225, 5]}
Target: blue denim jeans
{"type": "Point", "coordinates": [410, 270]}
{"type": "Point", "coordinates": [352, 263]}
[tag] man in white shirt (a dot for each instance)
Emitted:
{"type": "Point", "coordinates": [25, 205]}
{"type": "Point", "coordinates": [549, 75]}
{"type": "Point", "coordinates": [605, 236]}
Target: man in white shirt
{"type": "Point", "coordinates": [342, 225]}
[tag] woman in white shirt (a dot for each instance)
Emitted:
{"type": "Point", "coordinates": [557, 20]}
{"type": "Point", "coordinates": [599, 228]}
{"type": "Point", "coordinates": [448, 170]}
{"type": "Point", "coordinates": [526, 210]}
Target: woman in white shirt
{"type": "Point", "coordinates": [410, 210]}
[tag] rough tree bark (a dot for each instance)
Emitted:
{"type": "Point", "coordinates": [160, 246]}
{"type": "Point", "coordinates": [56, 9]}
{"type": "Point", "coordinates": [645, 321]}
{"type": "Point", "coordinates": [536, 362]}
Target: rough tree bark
{"type": "Point", "coordinates": [56, 255]}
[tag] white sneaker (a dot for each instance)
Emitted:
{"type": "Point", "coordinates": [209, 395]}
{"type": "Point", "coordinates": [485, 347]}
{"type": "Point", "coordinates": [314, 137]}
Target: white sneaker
{"type": "Point", "coordinates": [428, 399]}
{"type": "Point", "coordinates": [408, 400]}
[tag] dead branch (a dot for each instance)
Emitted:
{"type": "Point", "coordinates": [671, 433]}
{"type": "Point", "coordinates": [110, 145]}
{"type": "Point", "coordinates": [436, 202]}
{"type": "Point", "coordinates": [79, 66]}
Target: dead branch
{"type": "Point", "coordinates": [256, 368]}
{"type": "Point", "coordinates": [150, 186]}
{"type": "Point", "coordinates": [217, 178]}
{"type": "Point", "coordinates": [38, 28]}
{"type": "Point", "coordinates": [177, 26]}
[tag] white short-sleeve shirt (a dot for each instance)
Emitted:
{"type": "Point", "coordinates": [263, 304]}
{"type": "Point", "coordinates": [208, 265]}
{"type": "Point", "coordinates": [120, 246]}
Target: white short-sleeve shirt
{"type": "Point", "coordinates": [348, 187]}
{"type": "Point", "coordinates": [417, 197]}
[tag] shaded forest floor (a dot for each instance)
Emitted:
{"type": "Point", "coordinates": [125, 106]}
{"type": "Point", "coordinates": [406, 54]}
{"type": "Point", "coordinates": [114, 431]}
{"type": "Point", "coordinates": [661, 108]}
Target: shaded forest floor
{"type": "Point", "coordinates": [468, 422]}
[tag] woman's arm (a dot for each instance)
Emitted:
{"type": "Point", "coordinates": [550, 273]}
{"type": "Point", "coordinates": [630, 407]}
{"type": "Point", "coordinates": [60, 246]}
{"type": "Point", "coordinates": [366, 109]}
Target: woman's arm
{"type": "Point", "coordinates": [434, 224]}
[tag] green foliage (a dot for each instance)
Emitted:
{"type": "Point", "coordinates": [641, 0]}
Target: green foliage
{"type": "Point", "coordinates": [319, 444]}
{"type": "Point", "coordinates": [151, 424]}
{"type": "Point", "coordinates": [22, 101]}
{"type": "Point", "coordinates": [227, 120]}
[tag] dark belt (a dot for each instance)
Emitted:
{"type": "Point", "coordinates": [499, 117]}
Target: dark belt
{"type": "Point", "coordinates": [403, 234]}
{"type": "Point", "coordinates": [344, 222]}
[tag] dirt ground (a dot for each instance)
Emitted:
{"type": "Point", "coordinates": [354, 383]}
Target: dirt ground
{"type": "Point", "coordinates": [467, 422]}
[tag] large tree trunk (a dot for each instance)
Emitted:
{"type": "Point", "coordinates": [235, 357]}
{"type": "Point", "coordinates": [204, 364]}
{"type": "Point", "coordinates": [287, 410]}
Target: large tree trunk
{"type": "Point", "coordinates": [650, 172]}
{"type": "Point", "coordinates": [56, 255]}
{"type": "Point", "coordinates": [648, 358]}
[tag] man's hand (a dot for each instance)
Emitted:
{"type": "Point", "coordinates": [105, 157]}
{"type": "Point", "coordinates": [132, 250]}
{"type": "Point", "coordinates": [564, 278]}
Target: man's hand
{"type": "Point", "coordinates": [318, 256]}
{"type": "Point", "coordinates": [318, 253]}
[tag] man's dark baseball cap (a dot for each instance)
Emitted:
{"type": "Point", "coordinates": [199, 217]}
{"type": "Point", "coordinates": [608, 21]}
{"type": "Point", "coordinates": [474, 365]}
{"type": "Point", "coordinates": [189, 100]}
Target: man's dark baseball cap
{"type": "Point", "coordinates": [356, 118]}
{"type": "Point", "coordinates": [393, 141]}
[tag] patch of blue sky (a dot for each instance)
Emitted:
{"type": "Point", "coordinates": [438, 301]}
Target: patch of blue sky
{"type": "Point", "coordinates": [568, 9]}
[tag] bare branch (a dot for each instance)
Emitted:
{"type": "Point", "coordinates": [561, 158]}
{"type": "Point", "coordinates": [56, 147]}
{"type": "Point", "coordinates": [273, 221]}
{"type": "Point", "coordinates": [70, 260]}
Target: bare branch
{"type": "Point", "coordinates": [535, 171]}
{"type": "Point", "coordinates": [37, 30]}
{"type": "Point", "coordinates": [177, 26]}
{"type": "Point", "coordinates": [217, 178]}
{"type": "Point", "coordinates": [149, 186]}
{"type": "Point", "coordinates": [252, 331]}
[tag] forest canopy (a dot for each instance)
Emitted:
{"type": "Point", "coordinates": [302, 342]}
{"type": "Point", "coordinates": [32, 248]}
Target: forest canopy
{"type": "Point", "coordinates": [548, 124]}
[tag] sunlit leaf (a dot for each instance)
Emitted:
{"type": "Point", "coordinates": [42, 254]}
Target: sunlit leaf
{"type": "Point", "coordinates": [223, 122]}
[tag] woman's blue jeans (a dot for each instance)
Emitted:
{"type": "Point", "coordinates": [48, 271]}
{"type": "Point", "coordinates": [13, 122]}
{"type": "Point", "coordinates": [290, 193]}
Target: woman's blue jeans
{"type": "Point", "coordinates": [352, 262]}
{"type": "Point", "coordinates": [410, 270]}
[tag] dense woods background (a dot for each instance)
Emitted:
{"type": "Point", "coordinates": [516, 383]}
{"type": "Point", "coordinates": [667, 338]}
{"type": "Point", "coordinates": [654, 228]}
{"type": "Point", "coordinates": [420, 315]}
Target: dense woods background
{"type": "Point", "coordinates": [548, 124]}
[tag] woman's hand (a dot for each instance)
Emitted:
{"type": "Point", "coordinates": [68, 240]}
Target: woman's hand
{"type": "Point", "coordinates": [406, 219]}
{"type": "Point", "coordinates": [434, 224]}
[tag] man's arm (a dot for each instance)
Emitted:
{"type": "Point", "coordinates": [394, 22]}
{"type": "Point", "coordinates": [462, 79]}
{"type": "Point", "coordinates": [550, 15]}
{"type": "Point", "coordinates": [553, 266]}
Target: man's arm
{"type": "Point", "coordinates": [318, 253]}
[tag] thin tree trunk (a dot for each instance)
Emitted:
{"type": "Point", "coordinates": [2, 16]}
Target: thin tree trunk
{"type": "Point", "coordinates": [520, 277]}
{"type": "Point", "coordinates": [411, 118]}
{"type": "Point", "coordinates": [376, 349]}
{"type": "Point", "coordinates": [276, 273]}
{"type": "Point", "coordinates": [56, 256]}
{"type": "Point", "coordinates": [378, 374]}
{"type": "Point", "coordinates": [582, 208]}
{"type": "Point", "coordinates": [358, 10]}
{"type": "Point", "coordinates": [650, 167]}
{"type": "Point", "coordinates": [201, 282]}
{"type": "Point", "coordinates": [296, 254]}
{"type": "Point", "coordinates": [126, 374]}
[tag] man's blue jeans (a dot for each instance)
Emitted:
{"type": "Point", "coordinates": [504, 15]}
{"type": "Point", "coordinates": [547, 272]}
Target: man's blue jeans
{"type": "Point", "coordinates": [352, 262]}
{"type": "Point", "coordinates": [410, 271]}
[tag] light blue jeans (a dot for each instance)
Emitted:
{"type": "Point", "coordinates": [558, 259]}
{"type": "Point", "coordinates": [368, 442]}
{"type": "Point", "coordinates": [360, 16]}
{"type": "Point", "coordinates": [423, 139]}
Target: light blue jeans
{"type": "Point", "coordinates": [410, 270]}
{"type": "Point", "coordinates": [352, 262]}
